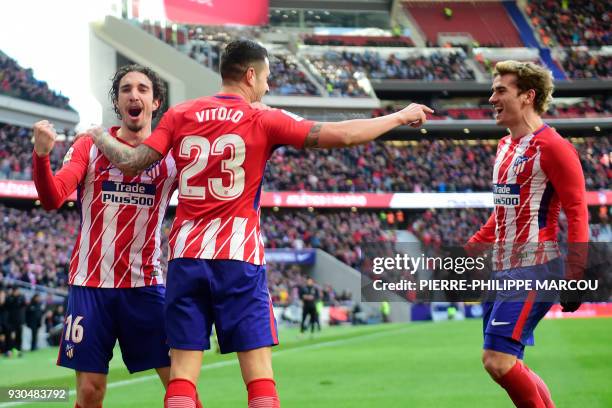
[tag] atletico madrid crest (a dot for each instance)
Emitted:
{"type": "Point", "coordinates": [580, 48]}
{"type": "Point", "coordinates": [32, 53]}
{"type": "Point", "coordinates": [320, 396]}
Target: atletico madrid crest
{"type": "Point", "coordinates": [519, 165]}
{"type": "Point", "coordinates": [69, 350]}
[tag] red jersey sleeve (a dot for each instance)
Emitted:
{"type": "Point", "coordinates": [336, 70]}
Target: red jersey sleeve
{"type": "Point", "coordinates": [54, 190]}
{"type": "Point", "coordinates": [561, 165]}
{"type": "Point", "coordinates": [285, 128]}
{"type": "Point", "coordinates": [486, 234]}
{"type": "Point", "coordinates": [161, 138]}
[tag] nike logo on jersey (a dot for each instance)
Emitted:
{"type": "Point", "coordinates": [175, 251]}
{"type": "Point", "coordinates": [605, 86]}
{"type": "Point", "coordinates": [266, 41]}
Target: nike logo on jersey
{"type": "Point", "coordinates": [494, 323]}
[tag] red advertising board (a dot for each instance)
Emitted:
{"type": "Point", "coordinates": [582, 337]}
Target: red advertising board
{"type": "Point", "coordinates": [586, 310]}
{"type": "Point", "coordinates": [304, 199]}
{"type": "Point", "coordinates": [217, 12]}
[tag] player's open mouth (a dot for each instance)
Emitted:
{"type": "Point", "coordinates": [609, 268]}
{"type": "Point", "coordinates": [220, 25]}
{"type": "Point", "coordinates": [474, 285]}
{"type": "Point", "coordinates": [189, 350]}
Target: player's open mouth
{"type": "Point", "coordinates": [134, 112]}
{"type": "Point", "coordinates": [498, 110]}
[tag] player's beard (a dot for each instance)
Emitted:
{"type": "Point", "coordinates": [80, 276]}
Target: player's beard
{"type": "Point", "coordinates": [134, 128]}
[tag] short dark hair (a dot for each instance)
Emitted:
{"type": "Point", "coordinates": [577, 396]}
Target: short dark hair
{"type": "Point", "coordinates": [159, 87]}
{"type": "Point", "coordinates": [238, 56]}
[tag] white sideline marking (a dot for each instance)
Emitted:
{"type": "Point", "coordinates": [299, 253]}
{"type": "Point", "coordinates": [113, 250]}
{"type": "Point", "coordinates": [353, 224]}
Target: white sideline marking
{"type": "Point", "coordinates": [220, 364]}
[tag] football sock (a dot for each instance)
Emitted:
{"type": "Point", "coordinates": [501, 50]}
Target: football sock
{"type": "Point", "coordinates": [521, 387]}
{"type": "Point", "coordinates": [262, 393]}
{"type": "Point", "coordinates": [542, 388]}
{"type": "Point", "coordinates": [181, 393]}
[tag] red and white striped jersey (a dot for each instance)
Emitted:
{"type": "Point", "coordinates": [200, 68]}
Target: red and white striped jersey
{"type": "Point", "coordinates": [119, 243]}
{"type": "Point", "coordinates": [533, 177]}
{"type": "Point", "coordinates": [221, 146]}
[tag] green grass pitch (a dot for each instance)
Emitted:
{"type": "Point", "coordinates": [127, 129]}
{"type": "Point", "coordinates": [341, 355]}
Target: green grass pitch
{"type": "Point", "coordinates": [396, 365]}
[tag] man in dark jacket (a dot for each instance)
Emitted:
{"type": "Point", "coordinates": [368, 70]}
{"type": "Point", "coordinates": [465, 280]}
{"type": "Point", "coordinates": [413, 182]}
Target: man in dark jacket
{"type": "Point", "coordinates": [34, 313]}
{"type": "Point", "coordinates": [16, 305]}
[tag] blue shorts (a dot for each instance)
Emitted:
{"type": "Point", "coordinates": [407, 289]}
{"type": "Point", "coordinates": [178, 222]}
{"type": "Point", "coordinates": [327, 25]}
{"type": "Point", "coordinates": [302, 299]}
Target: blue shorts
{"type": "Point", "coordinates": [231, 294]}
{"type": "Point", "coordinates": [510, 320]}
{"type": "Point", "coordinates": [97, 317]}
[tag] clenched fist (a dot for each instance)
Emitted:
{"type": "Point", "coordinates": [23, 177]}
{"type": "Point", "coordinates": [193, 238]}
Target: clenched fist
{"type": "Point", "coordinates": [414, 114]}
{"type": "Point", "coordinates": [44, 137]}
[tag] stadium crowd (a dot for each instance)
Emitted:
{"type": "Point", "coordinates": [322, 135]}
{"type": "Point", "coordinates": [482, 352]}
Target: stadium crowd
{"type": "Point", "coordinates": [581, 64]}
{"type": "Point", "coordinates": [16, 152]}
{"type": "Point", "coordinates": [205, 44]}
{"type": "Point", "coordinates": [36, 245]}
{"type": "Point", "coordinates": [286, 78]}
{"type": "Point", "coordinates": [440, 165]}
{"type": "Point", "coordinates": [342, 69]}
{"type": "Point", "coordinates": [571, 23]}
{"type": "Point", "coordinates": [338, 233]}
{"type": "Point", "coordinates": [19, 82]}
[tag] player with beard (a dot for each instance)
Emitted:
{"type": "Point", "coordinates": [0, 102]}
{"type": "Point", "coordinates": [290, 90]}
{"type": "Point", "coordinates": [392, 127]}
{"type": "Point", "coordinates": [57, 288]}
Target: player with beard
{"type": "Point", "coordinates": [217, 274]}
{"type": "Point", "coordinates": [116, 283]}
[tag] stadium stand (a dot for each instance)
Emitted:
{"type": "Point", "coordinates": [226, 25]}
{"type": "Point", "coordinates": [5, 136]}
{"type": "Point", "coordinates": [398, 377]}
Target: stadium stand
{"type": "Point", "coordinates": [36, 245]}
{"type": "Point", "coordinates": [358, 40]}
{"type": "Point", "coordinates": [441, 165]}
{"type": "Point", "coordinates": [19, 82]}
{"type": "Point", "coordinates": [486, 22]}
{"type": "Point", "coordinates": [205, 44]}
{"type": "Point", "coordinates": [16, 152]}
{"type": "Point", "coordinates": [582, 64]}
{"type": "Point", "coordinates": [425, 166]}
{"type": "Point", "coordinates": [340, 67]}
{"type": "Point", "coordinates": [571, 23]}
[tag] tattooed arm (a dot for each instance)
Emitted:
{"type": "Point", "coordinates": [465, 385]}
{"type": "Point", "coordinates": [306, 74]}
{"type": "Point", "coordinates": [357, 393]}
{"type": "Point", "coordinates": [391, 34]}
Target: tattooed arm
{"type": "Point", "coordinates": [130, 160]}
{"type": "Point", "coordinates": [359, 131]}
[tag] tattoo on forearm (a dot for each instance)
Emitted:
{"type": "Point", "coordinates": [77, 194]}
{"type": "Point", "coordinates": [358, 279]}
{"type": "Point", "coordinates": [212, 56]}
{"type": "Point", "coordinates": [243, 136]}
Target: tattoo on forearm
{"type": "Point", "coordinates": [143, 157]}
{"type": "Point", "coordinates": [127, 159]}
{"type": "Point", "coordinates": [114, 151]}
{"type": "Point", "coordinates": [312, 139]}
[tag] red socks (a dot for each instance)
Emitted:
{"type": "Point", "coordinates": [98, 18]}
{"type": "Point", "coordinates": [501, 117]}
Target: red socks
{"type": "Point", "coordinates": [542, 388]}
{"type": "Point", "coordinates": [262, 393]}
{"type": "Point", "coordinates": [521, 387]}
{"type": "Point", "coordinates": [181, 393]}
{"type": "Point", "coordinates": [76, 405]}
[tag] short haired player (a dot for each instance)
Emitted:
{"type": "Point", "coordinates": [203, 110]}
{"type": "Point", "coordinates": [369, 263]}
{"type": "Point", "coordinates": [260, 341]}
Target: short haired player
{"type": "Point", "coordinates": [217, 273]}
{"type": "Point", "coordinates": [536, 173]}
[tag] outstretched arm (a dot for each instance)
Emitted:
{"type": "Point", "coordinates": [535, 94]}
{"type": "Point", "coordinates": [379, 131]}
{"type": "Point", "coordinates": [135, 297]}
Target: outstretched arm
{"type": "Point", "coordinates": [360, 131]}
{"type": "Point", "coordinates": [130, 160]}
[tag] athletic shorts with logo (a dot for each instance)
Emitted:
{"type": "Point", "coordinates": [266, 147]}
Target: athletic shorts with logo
{"type": "Point", "coordinates": [96, 318]}
{"type": "Point", "coordinates": [510, 320]}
